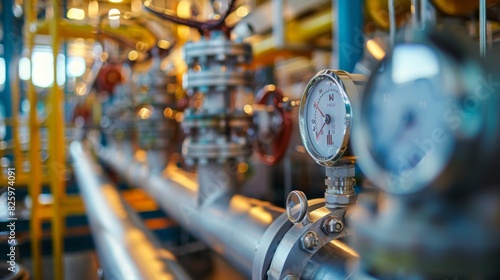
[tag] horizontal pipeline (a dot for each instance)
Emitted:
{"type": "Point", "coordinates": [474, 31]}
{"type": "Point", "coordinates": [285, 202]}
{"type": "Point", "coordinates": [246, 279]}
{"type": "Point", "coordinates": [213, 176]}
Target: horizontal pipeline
{"type": "Point", "coordinates": [126, 248]}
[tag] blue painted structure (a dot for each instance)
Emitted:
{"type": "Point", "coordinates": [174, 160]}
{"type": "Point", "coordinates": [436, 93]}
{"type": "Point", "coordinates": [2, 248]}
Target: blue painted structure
{"type": "Point", "coordinates": [348, 33]}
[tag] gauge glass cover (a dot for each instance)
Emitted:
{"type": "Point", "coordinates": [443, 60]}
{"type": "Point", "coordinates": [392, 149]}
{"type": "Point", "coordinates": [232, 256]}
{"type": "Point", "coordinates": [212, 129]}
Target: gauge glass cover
{"type": "Point", "coordinates": [325, 118]}
{"type": "Point", "coordinates": [405, 119]}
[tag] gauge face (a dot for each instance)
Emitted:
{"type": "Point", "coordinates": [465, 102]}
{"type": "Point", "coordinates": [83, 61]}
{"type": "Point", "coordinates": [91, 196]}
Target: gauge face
{"type": "Point", "coordinates": [406, 141]}
{"type": "Point", "coordinates": [325, 118]}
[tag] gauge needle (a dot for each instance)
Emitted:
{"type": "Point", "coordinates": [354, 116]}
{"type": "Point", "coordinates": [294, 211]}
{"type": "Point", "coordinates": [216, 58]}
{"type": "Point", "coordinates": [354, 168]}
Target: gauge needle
{"type": "Point", "coordinates": [317, 107]}
{"type": "Point", "coordinates": [319, 132]}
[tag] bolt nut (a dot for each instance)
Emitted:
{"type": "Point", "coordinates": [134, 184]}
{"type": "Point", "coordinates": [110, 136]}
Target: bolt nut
{"type": "Point", "coordinates": [332, 226]}
{"type": "Point", "coordinates": [336, 200]}
{"type": "Point", "coordinates": [310, 241]}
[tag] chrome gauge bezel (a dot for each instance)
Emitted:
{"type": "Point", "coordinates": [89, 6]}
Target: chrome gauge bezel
{"type": "Point", "coordinates": [334, 76]}
{"type": "Point", "coordinates": [438, 169]}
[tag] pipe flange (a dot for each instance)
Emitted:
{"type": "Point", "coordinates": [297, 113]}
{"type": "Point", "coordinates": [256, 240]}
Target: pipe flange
{"type": "Point", "coordinates": [302, 241]}
{"type": "Point", "coordinates": [159, 99]}
{"type": "Point", "coordinates": [216, 121]}
{"type": "Point", "coordinates": [219, 50]}
{"type": "Point", "coordinates": [270, 240]}
{"type": "Point", "coordinates": [155, 135]}
{"type": "Point", "coordinates": [196, 123]}
{"type": "Point", "coordinates": [203, 81]}
{"type": "Point", "coordinates": [203, 153]}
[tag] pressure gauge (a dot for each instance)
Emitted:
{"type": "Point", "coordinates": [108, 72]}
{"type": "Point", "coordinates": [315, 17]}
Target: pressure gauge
{"type": "Point", "coordinates": [421, 118]}
{"type": "Point", "coordinates": [326, 114]}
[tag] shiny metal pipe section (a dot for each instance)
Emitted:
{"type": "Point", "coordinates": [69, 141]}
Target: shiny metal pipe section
{"type": "Point", "coordinates": [126, 248]}
{"type": "Point", "coordinates": [330, 262]}
{"type": "Point", "coordinates": [232, 225]}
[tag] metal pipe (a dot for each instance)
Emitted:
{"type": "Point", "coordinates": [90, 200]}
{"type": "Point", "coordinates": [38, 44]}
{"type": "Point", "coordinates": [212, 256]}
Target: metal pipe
{"type": "Point", "coordinates": [330, 262]}
{"type": "Point", "coordinates": [232, 225]}
{"type": "Point", "coordinates": [278, 23]}
{"type": "Point", "coordinates": [482, 27]}
{"type": "Point", "coordinates": [416, 13]}
{"type": "Point", "coordinates": [392, 20]}
{"type": "Point", "coordinates": [126, 248]}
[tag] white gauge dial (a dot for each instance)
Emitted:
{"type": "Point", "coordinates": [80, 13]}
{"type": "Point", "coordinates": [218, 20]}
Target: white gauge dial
{"type": "Point", "coordinates": [325, 117]}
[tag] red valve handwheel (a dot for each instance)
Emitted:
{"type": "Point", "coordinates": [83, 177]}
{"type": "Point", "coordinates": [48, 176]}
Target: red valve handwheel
{"type": "Point", "coordinates": [108, 77]}
{"type": "Point", "coordinates": [282, 139]}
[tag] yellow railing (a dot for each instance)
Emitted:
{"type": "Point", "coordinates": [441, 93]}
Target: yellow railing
{"type": "Point", "coordinates": [35, 183]}
{"type": "Point", "coordinates": [56, 149]}
{"type": "Point", "coordinates": [53, 172]}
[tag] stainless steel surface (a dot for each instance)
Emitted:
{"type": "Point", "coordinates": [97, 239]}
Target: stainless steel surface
{"type": "Point", "coordinates": [218, 180]}
{"type": "Point", "coordinates": [231, 224]}
{"type": "Point", "coordinates": [236, 227]}
{"type": "Point", "coordinates": [218, 75]}
{"type": "Point", "coordinates": [267, 246]}
{"type": "Point", "coordinates": [297, 208]}
{"type": "Point", "coordinates": [340, 184]}
{"type": "Point", "coordinates": [330, 262]}
{"type": "Point", "coordinates": [126, 248]}
{"type": "Point", "coordinates": [302, 242]}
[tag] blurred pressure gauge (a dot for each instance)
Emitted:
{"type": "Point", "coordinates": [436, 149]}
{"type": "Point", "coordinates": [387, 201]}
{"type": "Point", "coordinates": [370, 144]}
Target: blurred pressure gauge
{"type": "Point", "coordinates": [326, 114]}
{"type": "Point", "coordinates": [421, 116]}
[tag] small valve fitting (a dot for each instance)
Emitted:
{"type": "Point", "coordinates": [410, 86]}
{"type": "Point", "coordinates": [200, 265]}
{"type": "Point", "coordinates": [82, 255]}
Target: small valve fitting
{"type": "Point", "coordinates": [340, 186]}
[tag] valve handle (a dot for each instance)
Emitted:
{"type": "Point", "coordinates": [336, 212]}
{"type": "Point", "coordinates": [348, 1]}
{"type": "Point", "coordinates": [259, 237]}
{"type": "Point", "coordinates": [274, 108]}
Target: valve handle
{"type": "Point", "coordinates": [108, 77]}
{"type": "Point", "coordinates": [204, 27]}
{"type": "Point", "coordinates": [280, 141]}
